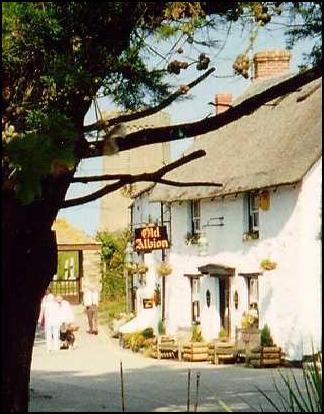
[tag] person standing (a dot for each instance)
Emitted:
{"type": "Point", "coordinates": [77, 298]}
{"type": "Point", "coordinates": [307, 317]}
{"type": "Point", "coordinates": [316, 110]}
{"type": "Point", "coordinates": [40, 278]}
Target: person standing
{"type": "Point", "coordinates": [52, 321]}
{"type": "Point", "coordinates": [91, 302]}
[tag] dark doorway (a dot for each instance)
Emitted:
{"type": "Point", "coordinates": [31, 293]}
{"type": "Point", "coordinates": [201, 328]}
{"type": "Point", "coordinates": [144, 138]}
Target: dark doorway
{"type": "Point", "coordinates": [224, 297]}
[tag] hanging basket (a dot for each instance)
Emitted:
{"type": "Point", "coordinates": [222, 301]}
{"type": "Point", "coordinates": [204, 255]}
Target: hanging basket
{"type": "Point", "coordinates": [267, 264]}
{"type": "Point", "coordinates": [164, 269]}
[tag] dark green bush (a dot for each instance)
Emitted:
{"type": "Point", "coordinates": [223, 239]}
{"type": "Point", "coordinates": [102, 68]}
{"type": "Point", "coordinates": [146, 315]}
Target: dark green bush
{"type": "Point", "coordinates": [148, 333]}
{"type": "Point", "coordinates": [266, 339]}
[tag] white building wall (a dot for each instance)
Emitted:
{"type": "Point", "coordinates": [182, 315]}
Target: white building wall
{"type": "Point", "coordinates": [289, 296]}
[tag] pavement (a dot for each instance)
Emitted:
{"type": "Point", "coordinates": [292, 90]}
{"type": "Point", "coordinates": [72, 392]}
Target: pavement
{"type": "Point", "coordinates": [88, 379]}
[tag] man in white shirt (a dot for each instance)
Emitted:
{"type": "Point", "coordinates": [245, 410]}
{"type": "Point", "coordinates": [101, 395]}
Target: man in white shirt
{"type": "Point", "coordinates": [91, 301]}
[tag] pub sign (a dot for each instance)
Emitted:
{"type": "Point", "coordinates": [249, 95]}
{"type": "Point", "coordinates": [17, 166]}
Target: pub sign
{"type": "Point", "coordinates": [151, 238]}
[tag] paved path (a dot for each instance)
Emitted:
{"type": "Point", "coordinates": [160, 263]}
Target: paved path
{"type": "Point", "coordinates": [88, 379]}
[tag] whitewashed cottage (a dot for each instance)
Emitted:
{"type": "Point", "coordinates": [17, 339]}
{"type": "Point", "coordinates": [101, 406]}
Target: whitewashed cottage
{"type": "Point", "coordinates": [266, 215]}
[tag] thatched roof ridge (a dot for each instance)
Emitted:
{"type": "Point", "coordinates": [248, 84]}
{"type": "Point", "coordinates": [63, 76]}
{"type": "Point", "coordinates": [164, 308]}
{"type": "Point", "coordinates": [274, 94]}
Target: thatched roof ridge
{"type": "Point", "coordinates": [68, 234]}
{"type": "Point", "coordinates": [275, 145]}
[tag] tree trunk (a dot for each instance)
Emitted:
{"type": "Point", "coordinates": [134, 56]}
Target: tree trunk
{"type": "Point", "coordinates": [29, 261]}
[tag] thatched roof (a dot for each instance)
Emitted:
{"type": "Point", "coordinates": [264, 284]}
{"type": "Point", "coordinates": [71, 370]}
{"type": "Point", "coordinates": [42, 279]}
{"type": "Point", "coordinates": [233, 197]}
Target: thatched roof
{"type": "Point", "coordinates": [68, 234]}
{"type": "Point", "coordinates": [275, 145]}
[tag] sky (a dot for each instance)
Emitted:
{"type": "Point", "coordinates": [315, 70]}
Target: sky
{"type": "Point", "coordinates": [87, 217]}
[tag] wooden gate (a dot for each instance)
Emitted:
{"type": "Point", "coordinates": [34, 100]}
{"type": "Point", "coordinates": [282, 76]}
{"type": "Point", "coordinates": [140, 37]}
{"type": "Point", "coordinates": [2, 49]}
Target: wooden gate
{"type": "Point", "coordinates": [69, 289]}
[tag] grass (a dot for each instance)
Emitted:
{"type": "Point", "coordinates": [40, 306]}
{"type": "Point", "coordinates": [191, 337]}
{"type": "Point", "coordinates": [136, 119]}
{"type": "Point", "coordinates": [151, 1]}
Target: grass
{"type": "Point", "coordinates": [109, 308]}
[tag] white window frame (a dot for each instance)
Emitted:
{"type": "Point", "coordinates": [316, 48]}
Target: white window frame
{"type": "Point", "coordinates": [251, 214]}
{"type": "Point", "coordinates": [195, 217]}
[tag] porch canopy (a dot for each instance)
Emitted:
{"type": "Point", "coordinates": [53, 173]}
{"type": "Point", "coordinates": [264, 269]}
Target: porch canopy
{"type": "Point", "coordinates": [216, 270]}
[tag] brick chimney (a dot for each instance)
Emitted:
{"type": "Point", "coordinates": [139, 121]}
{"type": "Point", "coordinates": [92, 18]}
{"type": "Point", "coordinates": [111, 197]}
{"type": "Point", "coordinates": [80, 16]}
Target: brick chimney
{"type": "Point", "coordinates": [223, 101]}
{"type": "Point", "coordinates": [271, 63]}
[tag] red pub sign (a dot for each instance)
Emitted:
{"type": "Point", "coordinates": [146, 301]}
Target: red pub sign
{"type": "Point", "coordinates": [151, 238]}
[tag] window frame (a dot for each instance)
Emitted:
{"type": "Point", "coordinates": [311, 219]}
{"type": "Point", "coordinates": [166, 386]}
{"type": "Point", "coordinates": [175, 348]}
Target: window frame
{"type": "Point", "coordinates": [195, 218]}
{"type": "Point", "coordinates": [251, 213]}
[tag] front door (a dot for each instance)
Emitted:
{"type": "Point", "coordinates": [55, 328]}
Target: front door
{"type": "Point", "coordinates": [224, 305]}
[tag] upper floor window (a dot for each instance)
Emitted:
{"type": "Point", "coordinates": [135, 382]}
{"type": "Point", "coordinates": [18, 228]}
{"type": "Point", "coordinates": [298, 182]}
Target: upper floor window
{"type": "Point", "coordinates": [195, 216]}
{"type": "Point", "coordinates": [251, 214]}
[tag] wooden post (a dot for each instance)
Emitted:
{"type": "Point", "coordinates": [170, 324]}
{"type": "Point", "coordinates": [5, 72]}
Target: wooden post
{"type": "Point", "coordinates": [197, 391]}
{"type": "Point", "coordinates": [188, 392]}
{"type": "Point", "coordinates": [122, 387]}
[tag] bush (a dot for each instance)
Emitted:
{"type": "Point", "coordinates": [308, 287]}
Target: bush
{"type": "Point", "coordinates": [148, 333]}
{"type": "Point", "coordinates": [266, 339]}
{"type": "Point", "coordinates": [222, 334]}
{"type": "Point", "coordinates": [196, 335]}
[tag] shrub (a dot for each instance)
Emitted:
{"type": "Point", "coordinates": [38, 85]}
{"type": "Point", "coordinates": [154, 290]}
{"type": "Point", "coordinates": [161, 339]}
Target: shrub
{"type": "Point", "coordinates": [222, 334]}
{"type": "Point", "coordinates": [266, 339]}
{"type": "Point", "coordinates": [148, 333]}
{"type": "Point", "coordinates": [196, 335]}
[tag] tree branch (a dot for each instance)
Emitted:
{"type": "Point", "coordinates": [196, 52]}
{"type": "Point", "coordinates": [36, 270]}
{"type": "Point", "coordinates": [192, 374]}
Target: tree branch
{"type": "Point", "coordinates": [124, 179]}
{"type": "Point", "coordinates": [146, 112]}
{"type": "Point", "coordinates": [175, 132]}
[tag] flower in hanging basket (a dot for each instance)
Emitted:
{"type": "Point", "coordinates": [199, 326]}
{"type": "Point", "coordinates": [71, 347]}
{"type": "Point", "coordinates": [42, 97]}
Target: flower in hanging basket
{"type": "Point", "coordinates": [142, 268]}
{"type": "Point", "coordinates": [267, 264]}
{"type": "Point", "coordinates": [164, 269]}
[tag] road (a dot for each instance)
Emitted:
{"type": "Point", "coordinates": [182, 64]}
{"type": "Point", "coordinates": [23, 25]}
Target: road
{"type": "Point", "coordinates": [87, 379]}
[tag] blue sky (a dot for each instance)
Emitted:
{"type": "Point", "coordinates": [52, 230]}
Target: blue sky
{"type": "Point", "coordinates": [86, 217]}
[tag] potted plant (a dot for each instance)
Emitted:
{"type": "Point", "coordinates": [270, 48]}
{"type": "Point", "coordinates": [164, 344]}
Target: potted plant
{"type": "Point", "coordinates": [251, 235]}
{"type": "Point", "coordinates": [164, 268]}
{"type": "Point", "coordinates": [191, 238]}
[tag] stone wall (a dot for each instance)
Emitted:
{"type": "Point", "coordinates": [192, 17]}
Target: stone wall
{"type": "Point", "coordinates": [91, 269]}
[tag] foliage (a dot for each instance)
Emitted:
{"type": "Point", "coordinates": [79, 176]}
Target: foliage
{"type": "Point", "coordinates": [110, 308]}
{"type": "Point", "coordinates": [139, 339]}
{"type": "Point", "coordinates": [222, 335]}
{"type": "Point", "coordinates": [310, 14]}
{"type": "Point", "coordinates": [297, 396]}
{"type": "Point", "coordinates": [266, 339]}
{"type": "Point", "coordinates": [58, 55]}
{"type": "Point", "coordinates": [157, 295]}
{"type": "Point", "coordinates": [148, 333]}
{"type": "Point", "coordinates": [196, 335]}
{"type": "Point", "coordinates": [112, 258]}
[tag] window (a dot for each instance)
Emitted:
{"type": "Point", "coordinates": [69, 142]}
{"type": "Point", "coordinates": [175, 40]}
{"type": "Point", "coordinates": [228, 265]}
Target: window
{"type": "Point", "coordinates": [251, 214]}
{"type": "Point", "coordinates": [253, 290]}
{"type": "Point", "coordinates": [195, 216]}
{"type": "Point", "coordinates": [195, 300]}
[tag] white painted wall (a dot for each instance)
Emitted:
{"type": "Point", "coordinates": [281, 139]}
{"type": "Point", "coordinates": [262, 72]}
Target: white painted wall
{"type": "Point", "coordinates": [289, 296]}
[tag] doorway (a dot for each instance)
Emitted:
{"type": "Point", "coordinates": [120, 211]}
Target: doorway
{"type": "Point", "coordinates": [224, 304]}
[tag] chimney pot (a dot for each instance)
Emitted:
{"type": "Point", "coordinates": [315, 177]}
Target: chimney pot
{"type": "Point", "coordinates": [270, 63]}
{"type": "Point", "coordinates": [223, 101]}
